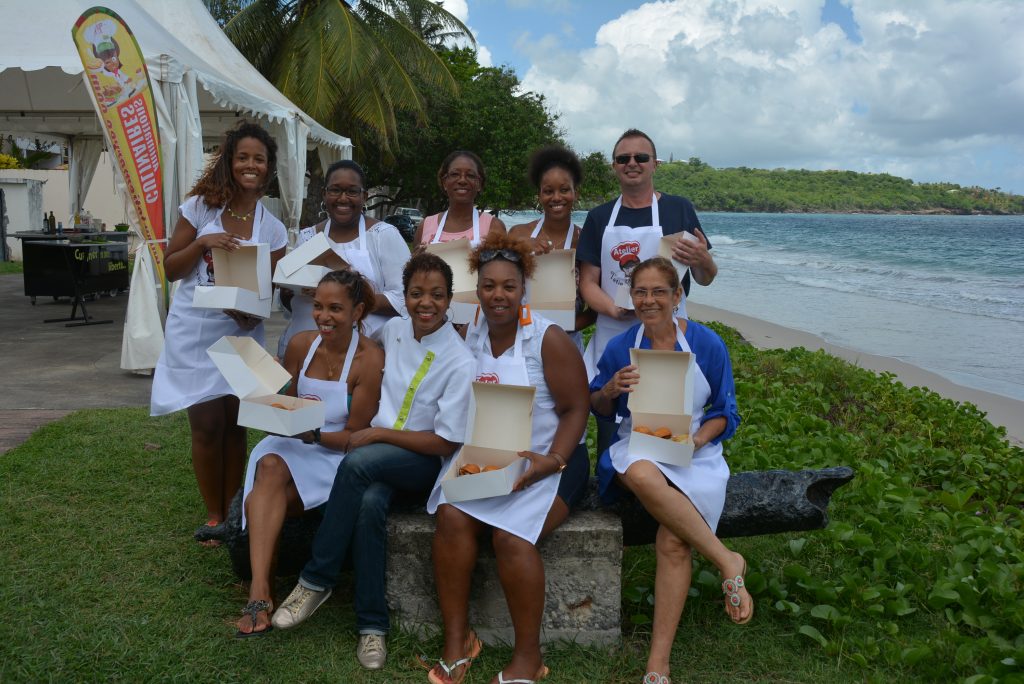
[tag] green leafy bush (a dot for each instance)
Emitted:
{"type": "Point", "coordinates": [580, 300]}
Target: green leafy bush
{"type": "Point", "coordinates": [8, 162]}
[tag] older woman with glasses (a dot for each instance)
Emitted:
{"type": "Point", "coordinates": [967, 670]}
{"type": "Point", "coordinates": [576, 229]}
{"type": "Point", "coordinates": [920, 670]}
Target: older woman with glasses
{"type": "Point", "coordinates": [373, 248]}
{"type": "Point", "coordinates": [462, 177]}
{"type": "Point", "coordinates": [686, 501]}
{"type": "Point", "coordinates": [512, 347]}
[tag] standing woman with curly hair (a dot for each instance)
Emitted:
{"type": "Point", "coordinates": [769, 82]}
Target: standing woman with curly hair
{"type": "Point", "coordinates": [223, 211]}
{"type": "Point", "coordinates": [462, 177]}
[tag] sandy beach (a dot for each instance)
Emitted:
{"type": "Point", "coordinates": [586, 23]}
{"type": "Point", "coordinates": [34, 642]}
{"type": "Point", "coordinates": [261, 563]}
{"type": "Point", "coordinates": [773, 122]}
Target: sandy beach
{"type": "Point", "coordinates": [1001, 411]}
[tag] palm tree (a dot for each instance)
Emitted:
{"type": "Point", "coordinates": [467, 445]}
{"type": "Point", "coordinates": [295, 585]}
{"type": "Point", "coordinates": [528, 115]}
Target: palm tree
{"type": "Point", "coordinates": [350, 65]}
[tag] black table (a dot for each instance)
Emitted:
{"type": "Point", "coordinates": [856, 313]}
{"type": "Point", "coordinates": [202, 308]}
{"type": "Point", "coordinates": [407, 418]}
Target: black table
{"type": "Point", "coordinates": [74, 269]}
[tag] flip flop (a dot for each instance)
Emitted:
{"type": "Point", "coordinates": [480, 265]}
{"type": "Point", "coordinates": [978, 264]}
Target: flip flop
{"type": "Point", "coordinates": [208, 534]}
{"type": "Point", "coordinates": [541, 674]}
{"type": "Point", "coordinates": [731, 589]}
{"type": "Point", "coordinates": [656, 678]}
{"type": "Point", "coordinates": [251, 609]}
{"type": "Point", "coordinates": [441, 672]}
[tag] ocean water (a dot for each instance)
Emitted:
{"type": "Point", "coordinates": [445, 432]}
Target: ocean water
{"type": "Point", "coordinates": [945, 293]}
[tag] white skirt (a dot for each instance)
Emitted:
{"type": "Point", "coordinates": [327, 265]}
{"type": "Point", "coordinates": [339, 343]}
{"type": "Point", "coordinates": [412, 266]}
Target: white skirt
{"type": "Point", "coordinates": [313, 468]}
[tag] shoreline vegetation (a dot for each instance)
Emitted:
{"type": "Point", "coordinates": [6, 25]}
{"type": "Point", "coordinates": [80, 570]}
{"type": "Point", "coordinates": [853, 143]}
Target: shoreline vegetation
{"type": "Point", "coordinates": [744, 189]}
{"type": "Point", "coordinates": [916, 578]}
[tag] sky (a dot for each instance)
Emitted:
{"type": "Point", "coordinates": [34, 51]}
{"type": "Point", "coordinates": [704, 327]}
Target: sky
{"type": "Point", "coordinates": [931, 90]}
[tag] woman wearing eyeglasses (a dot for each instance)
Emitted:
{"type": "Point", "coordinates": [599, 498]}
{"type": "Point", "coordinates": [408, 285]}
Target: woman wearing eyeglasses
{"type": "Point", "coordinates": [462, 177]}
{"type": "Point", "coordinates": [373, 248]}
{"type": "Point", "coordinates": [512, 347]}
{"type": "Point", "coordinates": [556, 173]}
{"type": "Point", "coordinates": [686, 501]}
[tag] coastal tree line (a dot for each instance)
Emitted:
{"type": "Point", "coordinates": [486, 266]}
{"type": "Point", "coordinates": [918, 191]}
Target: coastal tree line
{"type": "Point", "coordinates": [401, 78]}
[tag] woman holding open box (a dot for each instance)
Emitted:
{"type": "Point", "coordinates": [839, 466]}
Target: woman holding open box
{"type": "Point", "coordinates": [687, 501]}
{"type": "Point", "coordinates": [512, 347]}
{"type": "Point", "coordinates": [428, 372]}
{"type": "Point", "coordinates": [371, 247]}
{"type": "Point", "coordinates": [462, 177]}
{"type": "Point", "coordinates": [222, 212]}
{"type": "Point", "coordinates": [288, 475]}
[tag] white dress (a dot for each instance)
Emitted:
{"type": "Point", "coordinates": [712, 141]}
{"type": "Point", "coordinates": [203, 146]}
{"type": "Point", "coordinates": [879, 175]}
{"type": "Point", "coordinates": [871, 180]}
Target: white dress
{"type": "Point", "coordinates": [521, 513]}
{"type": "Point", "coordinates": [185, 375]}
{"type": "Point", "coordinates": [379, 253]}
{"type": "Point", "coordinates": [313, 466]}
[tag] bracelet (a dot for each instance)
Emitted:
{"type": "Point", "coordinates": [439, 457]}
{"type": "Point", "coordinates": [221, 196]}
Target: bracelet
{"type": "Point", "coordinates": [558, 458]}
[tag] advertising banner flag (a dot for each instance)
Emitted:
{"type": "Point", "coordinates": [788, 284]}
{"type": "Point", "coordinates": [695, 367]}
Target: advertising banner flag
{"type": "Point", "coordinates": [119, 83]}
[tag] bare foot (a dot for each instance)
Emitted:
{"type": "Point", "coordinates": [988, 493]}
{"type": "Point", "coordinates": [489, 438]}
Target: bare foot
{"type": "Point", "coordinates": [739, 605]}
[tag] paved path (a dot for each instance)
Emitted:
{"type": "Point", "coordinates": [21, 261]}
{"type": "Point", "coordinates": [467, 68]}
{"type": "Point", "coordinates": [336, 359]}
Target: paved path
{"type": "Point", "coordinates": [51, 370]}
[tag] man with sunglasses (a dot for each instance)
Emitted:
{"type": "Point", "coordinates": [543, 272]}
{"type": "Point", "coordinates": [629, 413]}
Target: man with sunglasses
{"type": "Point", "coordinates": [620, 234]}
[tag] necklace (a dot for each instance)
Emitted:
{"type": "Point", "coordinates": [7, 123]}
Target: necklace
{"type": "Point", "coordinates": [331, 368]}
{"type": "Point", "coordinates": [240, 217]}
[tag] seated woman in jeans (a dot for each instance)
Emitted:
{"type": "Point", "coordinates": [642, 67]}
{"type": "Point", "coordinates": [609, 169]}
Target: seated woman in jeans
{"type": "Point", "coordinates": [428, 373]}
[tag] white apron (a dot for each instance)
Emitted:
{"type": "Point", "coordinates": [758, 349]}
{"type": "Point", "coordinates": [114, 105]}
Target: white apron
{"type": "Point", "coordinates": [476, 229]}
{"type": "Point", "coordinates": [520, 513]}
{"type": "Point", "coordinates": [313, 466]}
{"type": "Point", "coordinates": [705, 479]}
{"type": "Point", "coordinates": [575, 335]}
{"type": "Point", "coordinates": [358, 257]}
{"type": "Point", "coordinates": [185, 375]}
{"type": "Point", "coordinates": [618, 245]}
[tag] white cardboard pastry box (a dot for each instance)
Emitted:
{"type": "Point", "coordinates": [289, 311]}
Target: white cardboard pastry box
{"type": "Point", "coordinates": [242, 281]}
{"type": "Point", "coordinates": [551, 291]}
{"type": "Point", "coordinates": [464, 301]}
{"type": "Point", "coordinates": [500, 425]}
{"type": "Point", "coordinates": [304, 266]}
{"type": "Point", "coordinates": [256, 377]}
{"type": "Point", "coordinates": [665, 250]}
{"type": "Point", "coordinates": [662, 399]}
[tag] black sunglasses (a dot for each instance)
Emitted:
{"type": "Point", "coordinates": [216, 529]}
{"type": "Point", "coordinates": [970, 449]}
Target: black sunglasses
{"type": "Point", "coordinates": [641, 158]}
{"type": "Point", "coordinates": [492, 254]}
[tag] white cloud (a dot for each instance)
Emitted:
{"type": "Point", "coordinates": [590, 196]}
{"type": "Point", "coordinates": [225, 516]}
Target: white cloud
{"type": "Point", "coordinates": [934, 91]}
{"type": "Point", "coordinates": [460, 8]}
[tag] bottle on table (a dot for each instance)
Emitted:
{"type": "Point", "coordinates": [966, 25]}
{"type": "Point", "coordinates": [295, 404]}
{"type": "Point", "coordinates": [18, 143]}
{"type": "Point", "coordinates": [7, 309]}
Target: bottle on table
{"type": "Point", "coordinates": [52, 220]}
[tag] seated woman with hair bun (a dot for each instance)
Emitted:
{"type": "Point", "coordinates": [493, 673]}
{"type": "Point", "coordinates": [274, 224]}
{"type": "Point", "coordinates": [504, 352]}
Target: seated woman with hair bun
{"type": "Point", "coordinates": [686, 501]}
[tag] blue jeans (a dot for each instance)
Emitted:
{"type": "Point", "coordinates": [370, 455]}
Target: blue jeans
{"type": "Point", "coordinates": [357, 515]}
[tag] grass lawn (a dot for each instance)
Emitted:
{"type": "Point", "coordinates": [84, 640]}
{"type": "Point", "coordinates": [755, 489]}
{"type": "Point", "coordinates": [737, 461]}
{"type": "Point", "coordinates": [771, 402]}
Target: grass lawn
{"type": "Point", "coordinates": [11, 267]}
{"type": "Point", "coordinates": [916, 579]}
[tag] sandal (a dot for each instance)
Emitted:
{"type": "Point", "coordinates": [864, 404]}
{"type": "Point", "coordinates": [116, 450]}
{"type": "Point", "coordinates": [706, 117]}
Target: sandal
{"type": "Point", "coordinates": [441, 672]}
{"type": "Point", "coordinates": [544, 672]}
{"type": "Point", "coordinates": [209, 534]}
{"type": "Point", "coordinates": [656, 678]}
{"type": "Point", "coordinates": [731, 589]}
{"type": "Point", "coordinates": [252, 608]}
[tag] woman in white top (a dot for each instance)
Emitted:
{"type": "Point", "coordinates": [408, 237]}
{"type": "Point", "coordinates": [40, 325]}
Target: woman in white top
{"type": "Point", "coordinates": [513, 347]}
{"type": "Point", "coordinates": [428, 372]}
{"type": "Point", "coordinates": [223, 211]}
{"type": "Point", "coordinates": [556, 173]}
{"type": "Point", "coordinates": [289, 475]}
{"type": "Point", "coordinates": [462, 177]}
{"type": "Point", "coordinates": [371, 247]}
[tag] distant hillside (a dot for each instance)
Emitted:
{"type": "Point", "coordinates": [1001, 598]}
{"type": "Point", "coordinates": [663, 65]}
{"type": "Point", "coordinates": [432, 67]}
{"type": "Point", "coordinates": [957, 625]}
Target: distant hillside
{"type": "Point", "coordinates": [783, 190]}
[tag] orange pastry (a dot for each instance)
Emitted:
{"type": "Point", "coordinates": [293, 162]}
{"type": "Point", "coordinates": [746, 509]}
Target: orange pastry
{"type": "Point", "coordinates": [681, 438]}
{"type": "Point", "coordinates": [490, 468]}
{"type": "Point", "coordinates": [469, 469]}
{"type": "Point", "coordinates": [281, 406]}
{"type": "Point", "coordinates": [643, 430]}
{"type": "Point", "coordinates": [663, 432]}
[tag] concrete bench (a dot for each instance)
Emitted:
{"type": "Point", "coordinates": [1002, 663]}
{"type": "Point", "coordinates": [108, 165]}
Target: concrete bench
{"type": "Point", "coordinates": [582, 559]}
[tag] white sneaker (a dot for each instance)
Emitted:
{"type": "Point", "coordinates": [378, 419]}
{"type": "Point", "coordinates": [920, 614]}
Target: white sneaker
{"type": "Point", "coordinates": [371, 652]}
{"type": "Point", "coordinates": [297, 608]}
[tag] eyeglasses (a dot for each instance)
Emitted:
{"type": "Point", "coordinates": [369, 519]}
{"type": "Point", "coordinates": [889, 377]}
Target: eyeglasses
{"type": "Point", "coordinates": [657, 293]}
{"type": "Point", "coordinates": [506, 254]}
{"type": "Point", "coordinates": [335, 192]}
{"type": "Point", "coordinates": [641, 158]}
{"type": "Point", "coordinates": [456, 175]}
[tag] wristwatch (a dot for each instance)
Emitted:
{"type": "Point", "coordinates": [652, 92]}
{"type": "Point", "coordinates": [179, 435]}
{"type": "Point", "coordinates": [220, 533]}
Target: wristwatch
{"type": "Point", "coordinates": [316, 435]}
{"type": "Point", "coordinates": [561, 461]}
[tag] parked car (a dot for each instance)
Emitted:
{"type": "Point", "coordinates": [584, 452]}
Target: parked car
{"type": "Point", "coordinates": [406, 226]}
{"type": "Point", "coordinates": [411, 212]}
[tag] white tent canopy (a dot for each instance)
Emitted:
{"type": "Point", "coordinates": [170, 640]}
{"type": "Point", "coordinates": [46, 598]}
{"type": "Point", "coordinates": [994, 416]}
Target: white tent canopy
{"type": "Point", "coordinates": [202, 84]}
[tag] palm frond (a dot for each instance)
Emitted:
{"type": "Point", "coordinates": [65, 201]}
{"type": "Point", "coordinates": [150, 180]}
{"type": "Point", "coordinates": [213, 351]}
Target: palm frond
{"type": "Point", "coordinates": [258, 31]}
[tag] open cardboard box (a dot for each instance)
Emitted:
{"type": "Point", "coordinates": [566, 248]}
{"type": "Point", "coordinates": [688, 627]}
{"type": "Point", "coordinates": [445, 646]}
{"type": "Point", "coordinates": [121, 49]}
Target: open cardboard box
{"type": "Point", "coordinates": [551, 291]}
{"type": "Point", "coordinates": [464, 301]}
{"type": "Point", "coordinates": [304, 266]}
{"type": "Point", "coordinates": [662, 398]}
{"type": "Point", "coordinates": [500, 425]}
{"type": "Point", "coordinates": [242, 281]}
{"type": "Point", "coordinates": [256, 377]}
{"type": "Point", "coordinates": [665, 250]}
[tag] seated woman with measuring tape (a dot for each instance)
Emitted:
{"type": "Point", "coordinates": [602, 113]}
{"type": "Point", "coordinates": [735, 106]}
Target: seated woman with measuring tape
{"type": "Point", "coordinates": [428, 374]}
